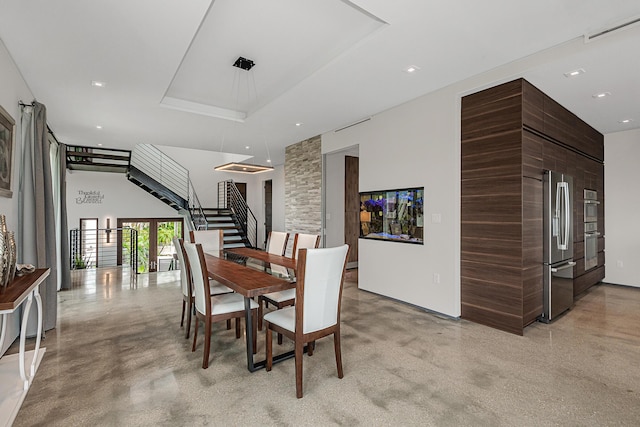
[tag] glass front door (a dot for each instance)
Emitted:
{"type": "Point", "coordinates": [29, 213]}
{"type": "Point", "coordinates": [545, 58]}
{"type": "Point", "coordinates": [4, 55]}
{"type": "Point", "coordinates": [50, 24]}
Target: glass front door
{"type": "Point", "coordinates": [155, 241]}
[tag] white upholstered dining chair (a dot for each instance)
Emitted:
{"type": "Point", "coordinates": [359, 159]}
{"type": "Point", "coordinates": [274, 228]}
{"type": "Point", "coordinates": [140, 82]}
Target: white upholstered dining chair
{"type": "Point", "coordinates": [187, 292]}
{"type": "Point", "coordinates": [212, 308]}
{"type": "Point", "coordinates": [316, 314]}
{"type": "Point", "coordinates": [277, 242]}
{"type": "Point", "coordinates": [287, 297]}
{"type": "Point", "coordinates": [211, 240]}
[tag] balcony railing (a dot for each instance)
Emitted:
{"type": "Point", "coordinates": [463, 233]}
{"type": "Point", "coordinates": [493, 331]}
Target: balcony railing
{"type": "Point", "coordinates": [104, 247]}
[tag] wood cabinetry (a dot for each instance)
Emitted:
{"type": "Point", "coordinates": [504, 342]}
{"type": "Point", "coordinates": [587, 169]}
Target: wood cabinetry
{"type": "Point", "coordinates": [510, 135]}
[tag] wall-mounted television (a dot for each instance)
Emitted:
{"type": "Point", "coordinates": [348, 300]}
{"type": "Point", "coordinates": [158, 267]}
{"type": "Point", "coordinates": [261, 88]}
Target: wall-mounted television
{"type": "Point", "coordinates": [393, 215]}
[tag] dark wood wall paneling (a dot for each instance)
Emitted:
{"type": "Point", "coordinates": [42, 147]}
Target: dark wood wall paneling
{"type": "Point", "coordinates": [510, 135]}
{"type": "Point", "coordinates": [351, 205]}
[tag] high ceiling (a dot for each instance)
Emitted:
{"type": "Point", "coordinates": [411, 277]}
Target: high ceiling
{"type": "Point", "coordinates": [170, 80]}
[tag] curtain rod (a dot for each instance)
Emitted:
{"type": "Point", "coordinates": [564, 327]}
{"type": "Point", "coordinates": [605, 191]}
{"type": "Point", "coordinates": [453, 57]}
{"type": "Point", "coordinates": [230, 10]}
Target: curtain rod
{"type": "Point", "coordinates": [22, 104]}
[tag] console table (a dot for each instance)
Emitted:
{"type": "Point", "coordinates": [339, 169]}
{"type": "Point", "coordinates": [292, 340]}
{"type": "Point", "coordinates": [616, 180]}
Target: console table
{"type": "Point", "coordinates": [17, 370]}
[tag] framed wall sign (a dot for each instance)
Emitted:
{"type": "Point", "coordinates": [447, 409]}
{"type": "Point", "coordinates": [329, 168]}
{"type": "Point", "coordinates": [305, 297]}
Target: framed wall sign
{"type": "Point", "coordinates": [7, 135]}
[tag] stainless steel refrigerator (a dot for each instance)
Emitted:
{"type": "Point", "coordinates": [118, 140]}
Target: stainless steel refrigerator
{"type": "Point", "coordinates": [558, 245]}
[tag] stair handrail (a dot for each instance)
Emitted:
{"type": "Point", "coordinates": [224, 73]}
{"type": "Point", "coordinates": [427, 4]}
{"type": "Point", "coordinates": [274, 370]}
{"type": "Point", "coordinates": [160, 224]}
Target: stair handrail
{"type": "Point", "coordinates": [150, 160]}
{"type": "Point", "coordinates": [233, 200]}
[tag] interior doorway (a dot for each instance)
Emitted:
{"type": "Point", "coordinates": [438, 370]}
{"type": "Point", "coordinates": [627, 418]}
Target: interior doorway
{"type": "Point", "coordinates": [242, 188]}
{"type": "Point", "coordinates": [88, 243]}
{"type": "Point", "coordinates": [155, 241]}
{"type": "Point", "coordinates": [268, 209]}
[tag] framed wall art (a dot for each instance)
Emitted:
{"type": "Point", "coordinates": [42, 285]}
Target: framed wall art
{"type": "Point", "coordinates": [7, 136]}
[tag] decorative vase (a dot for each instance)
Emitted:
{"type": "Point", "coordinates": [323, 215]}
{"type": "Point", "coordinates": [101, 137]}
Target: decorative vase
{"type": "Point", "coordinates": [12, 256]}
{"type": "Point", "coordinates": [3, 260]}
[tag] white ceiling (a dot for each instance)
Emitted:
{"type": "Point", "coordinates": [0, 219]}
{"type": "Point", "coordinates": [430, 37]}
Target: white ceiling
{"type": "Point", "coordinates": [168, 63]}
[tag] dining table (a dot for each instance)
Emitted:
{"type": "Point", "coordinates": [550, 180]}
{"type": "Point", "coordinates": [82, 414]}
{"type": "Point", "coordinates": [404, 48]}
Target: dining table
{"type": "Point", "coordinates": [250, 273]}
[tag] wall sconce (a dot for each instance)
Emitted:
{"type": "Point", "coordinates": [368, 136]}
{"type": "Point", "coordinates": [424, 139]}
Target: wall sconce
{"type": "Point", "coordinates": [108, 230]}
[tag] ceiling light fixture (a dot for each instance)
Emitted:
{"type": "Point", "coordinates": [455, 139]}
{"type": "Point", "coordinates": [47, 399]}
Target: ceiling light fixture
{"type": "Point", "coordinates": [411, 69]}
{"type": "Point", "coordinates": [246, 65]}
{"type": "Point", "coordinates": [96, 83]}
{"type": "Point", "coordinates": [601, 95]}
{"type": "Point", "coordinates": [299, 124]}
{"type": "Point", "coordinates": [574, 73]}
{"type": "Point", "coordinates": [625, 121]}
{"type": "Point", "coordinates": [98, 126]}
{"type": "Point", "coordinates": [243, 167]}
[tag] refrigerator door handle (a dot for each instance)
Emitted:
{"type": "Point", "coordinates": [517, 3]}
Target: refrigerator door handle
{"type": "Point", "coordinates": [563, 267]}
{"type": "Point", "coordinates": [563, 243]}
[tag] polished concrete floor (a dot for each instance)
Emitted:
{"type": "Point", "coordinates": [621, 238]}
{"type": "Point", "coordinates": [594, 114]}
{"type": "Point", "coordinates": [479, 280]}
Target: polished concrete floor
{"type": "Point", "coordinates": [119, 358]}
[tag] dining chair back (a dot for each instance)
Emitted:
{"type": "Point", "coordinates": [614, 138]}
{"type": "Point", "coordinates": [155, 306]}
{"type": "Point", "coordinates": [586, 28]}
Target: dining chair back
{"type": "Point", "coordinates": [277, 242]}
{"type": "Point", "coordinates": [200, 285]}
{"type": "Point", "coordinates": [184, 284]}
{"type": "Point", "coordinates": [286, 298]}
{"type": "Point", "coordinates": [304, 241]}
{"type": "Point", "coordinates": [211, 240]}
{"type": "Point", "coordinates": [316, 314]}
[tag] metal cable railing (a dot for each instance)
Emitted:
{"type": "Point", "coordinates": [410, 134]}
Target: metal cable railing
{"type": "Point", "coordinates": [229, 197]}
{"type": "Point", "coordinates": [163, 169]}
{"type": "Point", "coordinates": [104, 247]}
{"type": "Point", "coordinates": [149, 160]}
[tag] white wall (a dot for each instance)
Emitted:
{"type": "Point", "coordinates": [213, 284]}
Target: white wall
{"type": "Point", "coordinates": [621, 177]}
{"type": "Point", "coordinates": [413, 145]}
{"type": "Point", "coordinates": [122, 199]}
{"type": "Point", "coordinates": [12, 90]}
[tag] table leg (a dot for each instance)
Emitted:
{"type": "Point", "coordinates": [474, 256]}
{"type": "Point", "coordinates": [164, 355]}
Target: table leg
{"type": "Point", "coordinates": [23, 334]}
{"type": "Point", "coordinates": [36, 294]}
{"type": "Point", "coordinates": [252, 367]}
{"type": "Point", "coordinates": [5, 317]}
{"type": "Point", "coordinates": [255, 366]}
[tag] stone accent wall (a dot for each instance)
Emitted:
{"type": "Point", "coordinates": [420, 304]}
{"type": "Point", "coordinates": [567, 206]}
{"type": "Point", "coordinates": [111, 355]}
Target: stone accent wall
{"type": "Point", "coordinates": [303, 187]}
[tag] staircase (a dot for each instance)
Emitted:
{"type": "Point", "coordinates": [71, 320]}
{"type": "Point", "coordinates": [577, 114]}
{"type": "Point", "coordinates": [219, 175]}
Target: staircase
{"type": "Point", "coordinates": [153, 171]}
{"type": "Point", "coordinates": [224, 219]}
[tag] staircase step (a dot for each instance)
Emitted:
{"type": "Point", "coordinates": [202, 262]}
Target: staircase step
{"type": "Point", "coordinates": [234, 245]}
{"type": "Point", "coordinates": [232, 238]}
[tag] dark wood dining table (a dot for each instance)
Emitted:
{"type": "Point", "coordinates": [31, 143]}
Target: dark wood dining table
{"type": "Point", "coordinates": [237, 270]}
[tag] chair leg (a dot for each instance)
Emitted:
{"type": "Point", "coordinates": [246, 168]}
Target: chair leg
{"type": "Point", "coordinates": [336, 345]}
{"type": "Point", "coordinates": [279, 339]}
{"type": "Point", "coordinates": [188, 323]}
{"type": "Point", "coordinates": [238, 332]}
{"type": "Point", "coordinates": [299, 350]}
{"type": "Point", "coordinates": [269, 349]}
{"type": "Point", "coordinates": [195, 336]}
{"type": "Point", "coordinates": [207, 343]}
{"type": "Point", "coordinates": [254, 323]}
{"type": "Point", "coordinates": [228, 324]}
{"type": "Point", "coordinates": [260, 312]}
{"type": "Point", "coordinates": [182, 318]}
{"type": "Point", "coordinates": [310, 347]}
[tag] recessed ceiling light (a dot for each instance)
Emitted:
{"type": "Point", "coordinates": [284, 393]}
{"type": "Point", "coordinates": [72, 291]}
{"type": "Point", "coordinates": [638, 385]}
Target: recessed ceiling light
{"type": "Point", "coordinates": [99, 145]}
{"type": "Point", "coordinates": [246, 147]}
{"type": "Point", "coordinates": [268, 160]}
{"type": "Point", "coordinates": [574, 73]}
{"type": "Point", "coordinates": [98, 126]}
{"type": "Point", "coordinates": [625, 121]}
{"type": "Point", "coordinates": [299, 124]}
{"type": "Point", "coordinates": [411, 69]}
{"type": "Point", "coordinates": [96, 83]}
{"type": "Point", "coordinates": [602, 95]}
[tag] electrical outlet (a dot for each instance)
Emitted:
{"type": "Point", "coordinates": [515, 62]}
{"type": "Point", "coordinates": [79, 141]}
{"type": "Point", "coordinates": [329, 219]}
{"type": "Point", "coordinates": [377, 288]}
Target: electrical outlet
{"type": "Point", "coordinates": [436, 278]}
{"type": "Point", "coordinates": [619, 263]}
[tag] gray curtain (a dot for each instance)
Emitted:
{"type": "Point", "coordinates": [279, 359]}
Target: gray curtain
{"type": "Point", "coordinates": [65, 268]}
{"type": "Point", "coordinates": [37, 231]}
